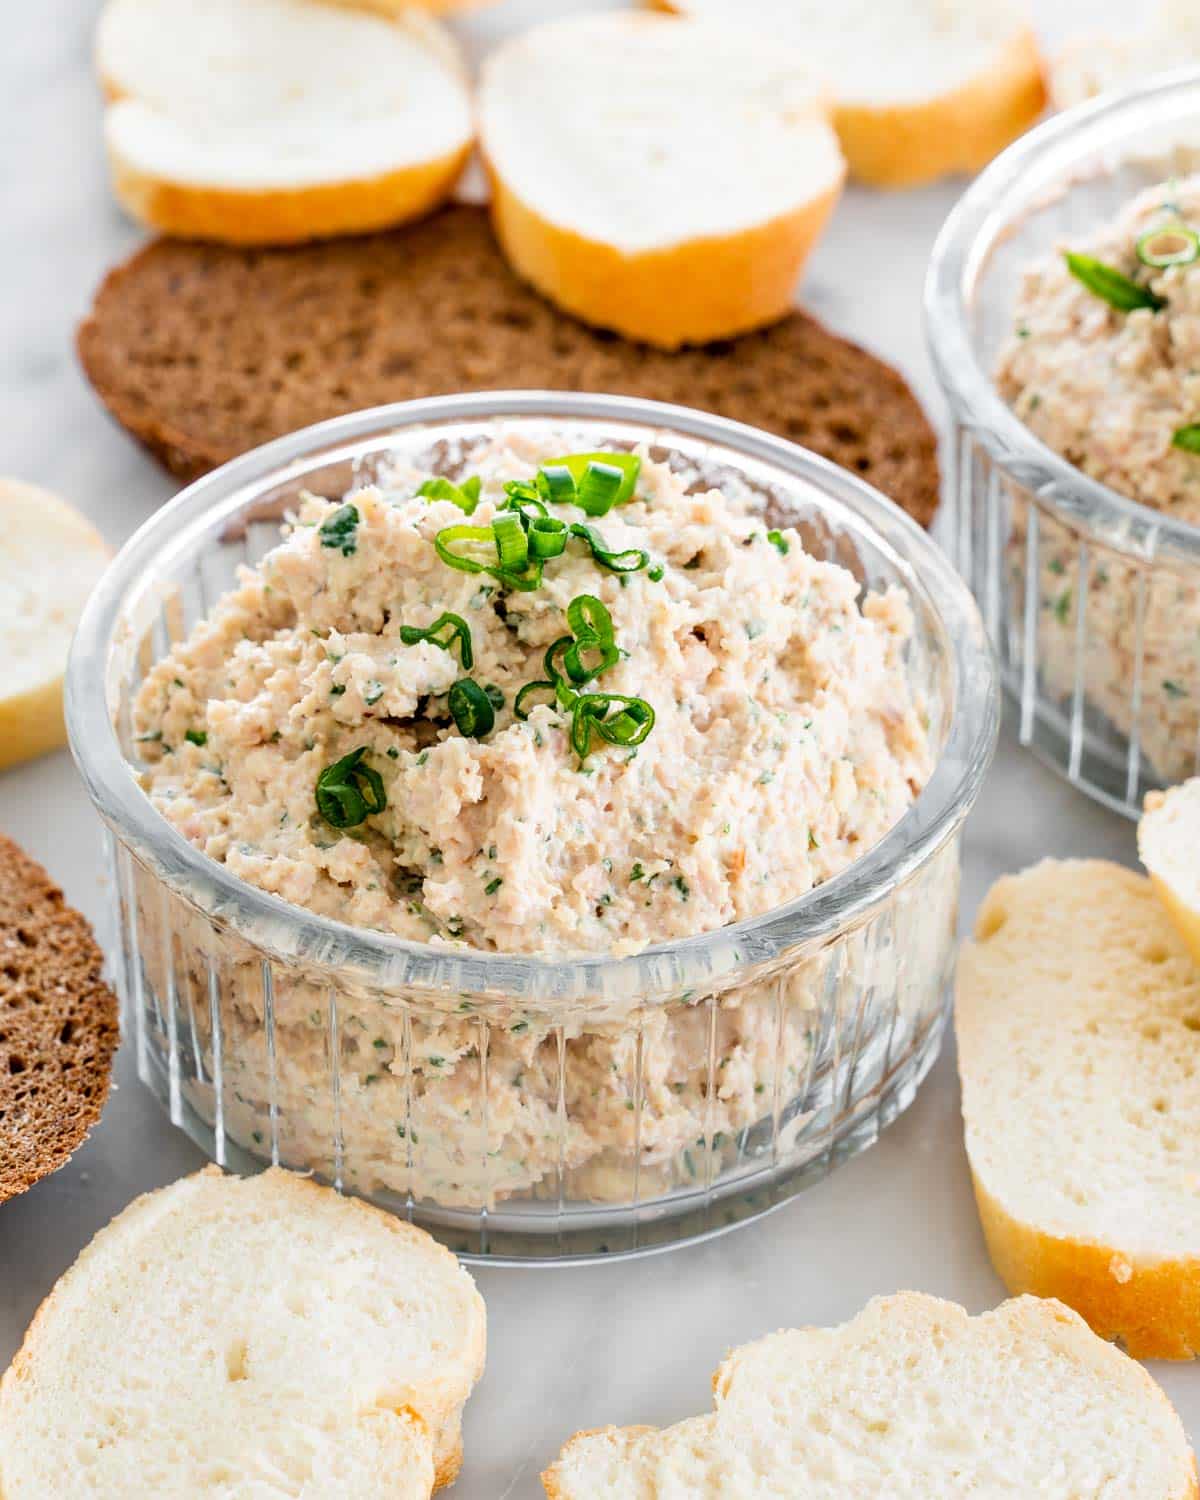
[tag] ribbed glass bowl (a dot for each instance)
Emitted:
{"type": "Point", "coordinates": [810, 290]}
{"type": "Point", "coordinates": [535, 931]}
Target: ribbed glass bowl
{"type": "Point", "coordinates": [1092, 601]}
{"type": "Point", "coordinates": [526, 1108]}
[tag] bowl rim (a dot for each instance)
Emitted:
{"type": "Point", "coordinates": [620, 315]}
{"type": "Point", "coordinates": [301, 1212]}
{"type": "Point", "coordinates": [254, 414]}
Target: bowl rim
{"type": "Point", "coordinates": [964, 243]}
{"type": "Point", "coordinates": [275, 927]}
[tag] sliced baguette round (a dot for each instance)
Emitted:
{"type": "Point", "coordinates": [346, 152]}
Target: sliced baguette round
{"type": "Point", "coordinates": [259, 1337]}
{"type": "Point", "coordinates": [671, 179]}
{"type": "Point", "coordinates": [273, 121]}
{"type": "Point", "coordinates": [1078, 1016]}
{"type": "Point", "coordinates": [921, 88]}
{"type": "Point", "coordinates": [1169, 847]}
{"type": "Point", "coordinates": [50, 557]}
{"type": "Point", "coordinates": [910, 1398]}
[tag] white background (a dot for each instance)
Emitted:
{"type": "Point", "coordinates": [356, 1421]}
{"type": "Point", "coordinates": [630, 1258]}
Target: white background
{"type": "Point", "coordinates": [624, 1342]}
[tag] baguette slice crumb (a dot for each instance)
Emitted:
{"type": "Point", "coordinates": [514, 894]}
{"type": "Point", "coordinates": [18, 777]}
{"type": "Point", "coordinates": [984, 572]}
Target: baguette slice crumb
{"type": "Point", "coordinates": [50, 559]}
{"type": "Point", "coordinates": [274, 121]}
{"type": "Point", "coordinates": [259, 1337]}
{"type": "Point", "coordinates": [1078, 1018]}
{"type": "Point", "coordinates": [688, 173]}
{"type": "Point", "coordinates": [911, 1398]}
{"type": "Point", "coordinates": [1169, 847]}
{"type": "Point", "coordinates": [921, 88]}
{"type": "Point", "coordinates": [58, 1025]}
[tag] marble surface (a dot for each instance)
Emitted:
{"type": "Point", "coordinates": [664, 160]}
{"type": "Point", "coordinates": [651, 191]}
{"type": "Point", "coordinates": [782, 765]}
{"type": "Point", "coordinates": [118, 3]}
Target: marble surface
{"type": "Point", "coordinates": [625, 1342]}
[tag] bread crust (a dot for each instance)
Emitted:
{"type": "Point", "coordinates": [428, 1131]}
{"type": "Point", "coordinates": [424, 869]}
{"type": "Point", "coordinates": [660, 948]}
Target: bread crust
{"type": "Point", "coordinates": [1152, 1308]}
{"type": "Point", "coordinates": [286, 216]}
{"type": "Point", "coordinates": [688, 293]}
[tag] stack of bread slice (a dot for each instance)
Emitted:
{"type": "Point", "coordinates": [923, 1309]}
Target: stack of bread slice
{"type": "Point", "coordinates": [259, 1338]}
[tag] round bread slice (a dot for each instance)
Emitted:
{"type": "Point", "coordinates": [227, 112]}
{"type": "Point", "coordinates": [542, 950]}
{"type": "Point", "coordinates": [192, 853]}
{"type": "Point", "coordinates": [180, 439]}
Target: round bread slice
{"type": "Point", "coordinates": [671, 180]}
{"type": "Point", "coordinates": [921, 88]}
{"type": "Point", "coordinates": [271, 121]}
{"type": "Point", "coordinates": [910, 1398]}
{"type": "Point", "coordinates": [1169, 847]}
{"type": "Point", "coordinates": [50, 558]}
{"type": "Point", "coordinates": [58, 1025]}
{"type": "Point", "coordinates": [259, 1337]}
{"type": "Point", "coordinates": [1077, 1009]}
{"type": "Point", "coordinates": [203, 352]}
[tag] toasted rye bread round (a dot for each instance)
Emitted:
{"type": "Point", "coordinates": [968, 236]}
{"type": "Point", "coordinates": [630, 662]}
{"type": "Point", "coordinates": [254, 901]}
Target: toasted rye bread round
{"type": "Point", "coordinates": [272, 121]}
{"type": "Point", "coordinates": [50, 557]}
{"type": "Point", "coordinates": [58, 1025]}
{"type": "Point", "coordinates": [676, 206]}
{"type": "Point", "coordinates": [1077, 1008]}
{"type": "Point", "coordinates": [1169, 847]}
{"type": "Point", "coordinates": [911, 1397]}
{"type": "Point", "coordinates": [920, 89]}
{"type": "Point", "coordinates": [260, 1337]}
{"type": "Point", "coordinates": [203, 352]}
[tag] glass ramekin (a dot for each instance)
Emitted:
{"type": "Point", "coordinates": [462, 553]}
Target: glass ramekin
{"type": "Point", "coordinates": [1092, 600]}
{"type": "Point", "coordinates": [522, 1108]}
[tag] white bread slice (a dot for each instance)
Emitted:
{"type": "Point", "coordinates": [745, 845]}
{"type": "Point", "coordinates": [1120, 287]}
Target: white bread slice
{"type": "Point", "coordinates": [269, 121]}
{"type": "Point", "coordinates": [912, 1400]}
{"type": "Point", "coordinates": [258, 1337]}
{"type": "Point", "coordinates": [1093, 62]}
{"type": "Point", "coordinates": [660, 177]}
{"type": "Point", "coordinates": [1078, 1018]}
{"type": "Point", "coordinates": [921, 88]}
{"type": "Point", "coordinates": [1169, 847]}
{"type": "Point", "coordinates": [50, 558]}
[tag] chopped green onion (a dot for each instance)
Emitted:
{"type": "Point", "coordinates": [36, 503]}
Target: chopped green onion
{"type": "Point", "coordinates": [629, 725]}
{"type": "Point", "coordinates": [597, 490]}
{"type": "Point", "coordinates": [339, 530]}
{"type": "Point", "coordinates": [591, 625]}
{"type": "Point", "coordinates": [522, 699]}
{"type": "Point", "coordinates": [1187, 438]}
{"type": "Point", "coordinates": [628, 561]}
{"type": "Point", "coordinates": [449, 534]}
{"type": "Point", "coordinates": [471, 708]}
{"type": "Point", "coordinates": [494, 696]}
{"type": "Point", "coordinates": [196, 737]}
{"type": "Point", "coordinates": [523, 498]}
{"type": "Point", "coordinates": [1111, 285]}
{"type": "Point", "coordinates": [779, 542]}
{"type": "Point", "coordinates": [556, 483]}
{"type": "Point", "coordinates": [458, 630]}
{"type": "Point", "coordinates": [547, 537]}
{"type": "Point", "coordinates": [511, 546]}
{"type": "Point", "coordinates": [465, 495]}
{"type": "Point", "coordinates": [348, 792]}
{"type": "Point", "coordinates": [1169, 245]}
{"type": "Point", "coordinates": [655, 575]}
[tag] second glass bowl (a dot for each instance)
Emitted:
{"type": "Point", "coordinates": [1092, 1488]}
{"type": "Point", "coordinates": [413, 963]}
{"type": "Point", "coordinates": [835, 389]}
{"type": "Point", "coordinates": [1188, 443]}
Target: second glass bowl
{"type": "Point", "coordinates": [1091, 600]}
{"type": "Point", "coordinates": [526, 1108]}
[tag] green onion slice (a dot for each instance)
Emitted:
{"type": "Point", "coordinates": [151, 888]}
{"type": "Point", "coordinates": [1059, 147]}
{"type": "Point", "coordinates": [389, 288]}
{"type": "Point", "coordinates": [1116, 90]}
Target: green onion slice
{"type": "Point", "coordinates": [779, 542]}
{"type": "Point", "coordinates": [348, 792]}
{"type": "Point", "coordinates": [591, 625]}
{"type": "Point", "coordinates": [1187, 438]}
{"type": "Point", "coordinates": [511, 546]}
{"type": "Point", "coordinates": [1111, 285]}
{"type": "Point", "coordinates": [547, 537]}
{"type": "Point", "coordinates": [465, 495]}
{"type": "Point", "coordinates": [521, 704]}
{"type": "Point", "coordinates": [1169, 245]}
{"type": "Point", "coordinates": [471, 708]}
{"type": "Point", "coordinates": [598, 491]}
{"type": "Point", "coordinates": [523, 498]}
{"type": "Point", "coordinates": [340, 530]}
{"type": "Point", "coordinates": [556, 483]}
{"type": "Point", "coordinates": [444, 632]}
{"type": "Point", "coordinates": [629, 724]}
{"type": "Point", "coordinates": [449, 534]}
{"type": "Point", "coordinates": [628, 561]}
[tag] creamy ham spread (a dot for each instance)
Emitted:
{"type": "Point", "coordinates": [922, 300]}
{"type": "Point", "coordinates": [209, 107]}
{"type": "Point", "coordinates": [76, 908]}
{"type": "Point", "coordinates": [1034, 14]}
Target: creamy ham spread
{"type": "Point", "coordinates": [1115, 392]}
{"type": "Point", "coordinates": [786, 739]}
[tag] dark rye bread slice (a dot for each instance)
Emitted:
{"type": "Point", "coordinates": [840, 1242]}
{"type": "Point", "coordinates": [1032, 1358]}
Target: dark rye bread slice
{"type": "Point", "coordinates": [58, 1025]}
{"type": "Point", "coordinates": [203, 351]}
